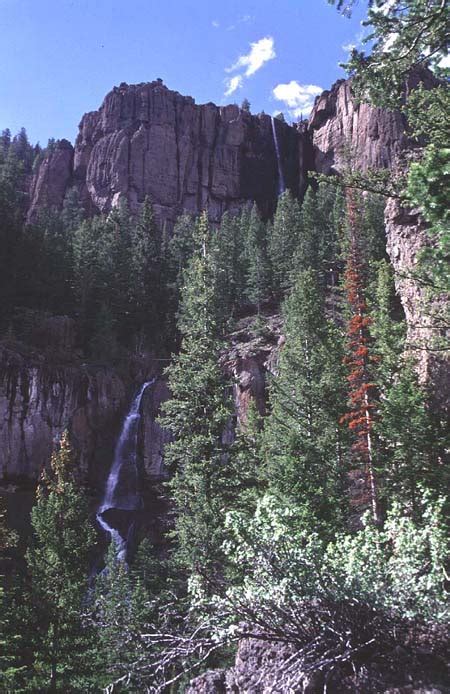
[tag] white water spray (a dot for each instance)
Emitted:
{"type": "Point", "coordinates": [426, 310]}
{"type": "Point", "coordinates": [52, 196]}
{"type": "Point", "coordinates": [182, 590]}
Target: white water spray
{"type": "Point", "coordinates": [122, 485]}
{"type": "Point", "coordinates": [281, 186]}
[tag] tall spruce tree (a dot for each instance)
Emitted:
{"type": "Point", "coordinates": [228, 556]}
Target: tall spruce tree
{"type": "Point", "coordinates": [409, 449]}
{"type": "Point", "coordinates": [146, 286]}
{"type": "Point", "coordinates": [304, 442]}
{"type": "Point", "coordinates": [120, 614]}
{"type": "Point", "coordinates": [228, 263]}
{"type": "Point", "coordinates": [58, 563]}
{"type": "Point", "coordinates": [283, 242]}
{"type": "Point", "coordinates": [196, 415]}
{"type": "Point", "coordinates": [10, 666]}
{"type": "Point", "coordinates": [257, 267]}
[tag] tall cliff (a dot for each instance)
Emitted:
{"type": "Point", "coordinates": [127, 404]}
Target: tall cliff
{"type": "Point", "coordinates": [344, 133]}
{"type": "Point", "coordinates": [146, 140]}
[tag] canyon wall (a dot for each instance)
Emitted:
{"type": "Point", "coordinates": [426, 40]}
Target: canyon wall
{"type": "Point", "coordinates": [146, 140]}
{"type": "Point", "coordinates": [47, 389]}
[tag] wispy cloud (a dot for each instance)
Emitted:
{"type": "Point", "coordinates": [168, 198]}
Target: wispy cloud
{"type": "Point", "coordinates": [215, 24]}
{"type": "Point", "coordinates": [260, 52]}
{"type": "Point", "coordinates": [241, 20]}
{"type": "Point", "coordinates": [297, 98]}
{"type": "Point", "coordinates": [233, 83]}
{"type": "Point", "coordinates": [246, 65]}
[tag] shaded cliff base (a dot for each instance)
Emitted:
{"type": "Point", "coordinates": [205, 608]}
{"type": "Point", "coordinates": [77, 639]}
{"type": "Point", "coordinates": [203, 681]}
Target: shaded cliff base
{"type": "Point", "coordinates": [47, 387]}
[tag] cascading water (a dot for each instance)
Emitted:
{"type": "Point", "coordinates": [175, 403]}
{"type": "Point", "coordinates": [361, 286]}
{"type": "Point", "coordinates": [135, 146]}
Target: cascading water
{"type": "Point", "coordinates": [281, 186]}
{"type": "Point", "coordinates": [122, 496]}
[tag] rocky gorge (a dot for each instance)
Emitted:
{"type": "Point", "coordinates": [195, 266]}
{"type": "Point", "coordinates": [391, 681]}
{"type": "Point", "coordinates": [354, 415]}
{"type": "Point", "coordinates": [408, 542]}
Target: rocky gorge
{"type": "Point", "coordinates": [146, 140]}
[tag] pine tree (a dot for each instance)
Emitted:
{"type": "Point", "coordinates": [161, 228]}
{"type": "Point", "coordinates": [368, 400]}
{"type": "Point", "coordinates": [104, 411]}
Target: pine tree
{"type": "Point", "coordinates": [388, 333]}
{"type": "Point", "coordinates": [147, 295]}
{"type": "Point", "coordinates": [304, 443]}
{"type": "Point", "coordinates": [10, 236]}
{"type": "Point", "coordinates": [246, 479]}
{"type": "Point", "coordinates": [72, 212]}
{"type": "Point", "coordinates": [58, 563]}
{"type": "Point", "coordinates": [180, 249]}
{"type": "Point", "coordinates": [409, 450]}
{"type": "Point", "coordinates": [257, 274]}
{"type": "Point", "coordinates": [114, 259]}
{"type": "Point", "coordinates": [21, 148]}
{"type": "Point", "coordinates": [196, 415]}
{"type": "Point", "coordinates": [87, 278]}
{"type": "Point", "coordinates": [10, 667]}
{"type": "Point", "coordinates": [228, 264]}
{"type": "Point", "coordinates": [5, 143]}
{"type": "Point", "coordinates": [120, 614]}
{"type": "Point", "coordinates": [318, 243]}
{"type": "Point", "coordinates": [284, 242]}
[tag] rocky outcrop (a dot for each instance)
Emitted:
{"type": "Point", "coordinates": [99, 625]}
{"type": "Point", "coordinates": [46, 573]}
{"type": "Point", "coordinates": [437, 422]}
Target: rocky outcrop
{"type": "Point", "coordinates": [251, 354]}
{"type": "Point", "coordinates": [344, 133]}
{"type": "Point", "coordinates": [51, 181]}
{"type": "Point", "coordinates": [427, 333]}
{"type": "Point", "coordinates": [153, 436]}
{"type": "Point", "coordinates": [263, 667]}
{"type": "Point", "coordinates": [146, 140]}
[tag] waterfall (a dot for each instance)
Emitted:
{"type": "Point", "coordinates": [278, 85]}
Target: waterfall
{"type": "Point", "coordinates": [281, 186]}
{"type": "Point", "coordinates": [122, 497]}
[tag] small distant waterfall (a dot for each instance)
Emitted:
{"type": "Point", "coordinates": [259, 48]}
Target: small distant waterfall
{"type": "Point", "coordinates": [122, 494]}
{"type": "Point", "coordinates": [281, 186]}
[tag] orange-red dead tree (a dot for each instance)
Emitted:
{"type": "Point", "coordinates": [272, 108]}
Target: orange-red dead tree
{"type": "Point", "coordinates": [359, 360]}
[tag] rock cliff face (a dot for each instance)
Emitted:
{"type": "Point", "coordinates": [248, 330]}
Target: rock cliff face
{"type": "Point", "coordinates": [406, 238]}
{"type": "Point", "coordinates": [146, 140]}
{"type": "Point", "coordinates": [52, 179]}
{"type": "Point", "coordinates": [345, 133]}
{"type": "Point", "coordinates": [40, 396]}
{"type": "Point", "coordinates": [37, 402]}
{"type": "Point", "coordinates": [251, 354]}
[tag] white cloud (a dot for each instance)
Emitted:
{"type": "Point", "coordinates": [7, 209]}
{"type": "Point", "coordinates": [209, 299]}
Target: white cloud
{"type": "Point", "coordinates": [260, 52]}
{"type": "Point", "coordinates": [297, 98]}
{"type": "Point", "coordinates": [233, 83]}
{"type": "Point", "coordinates": [215, 24]}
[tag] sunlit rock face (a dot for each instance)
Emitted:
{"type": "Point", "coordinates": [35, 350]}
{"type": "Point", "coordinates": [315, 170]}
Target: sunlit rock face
{"type": "Point", "coordinates": [146, 140]}
{"type": "Point", "coordinates": [347, 134]}
{"type": "Point", "coordinates": [51, 180]}
{"type": "Point", "coordinates": [427, 329]}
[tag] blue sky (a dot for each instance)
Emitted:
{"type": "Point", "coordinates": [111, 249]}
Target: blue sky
{"type": "Point", "coordinates": [58, 58]}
